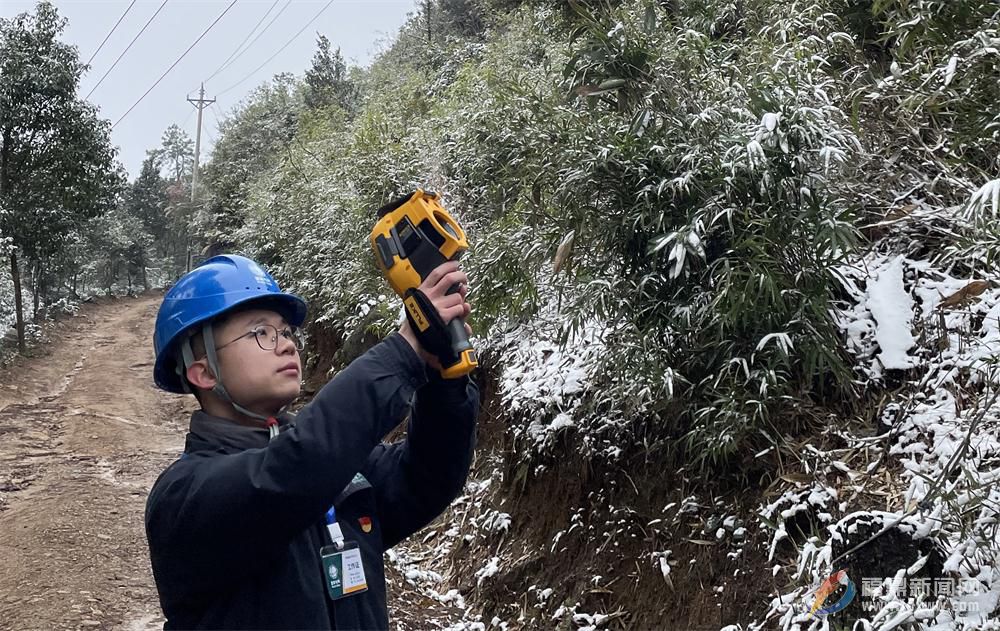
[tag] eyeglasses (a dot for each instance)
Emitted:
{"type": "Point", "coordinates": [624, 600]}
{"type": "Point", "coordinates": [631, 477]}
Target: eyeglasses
{"type": "Point", "coordinates": [267, 337]}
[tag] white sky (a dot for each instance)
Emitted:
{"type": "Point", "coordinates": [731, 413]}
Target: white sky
{"type": "Point", "coordinates": [358, 27]}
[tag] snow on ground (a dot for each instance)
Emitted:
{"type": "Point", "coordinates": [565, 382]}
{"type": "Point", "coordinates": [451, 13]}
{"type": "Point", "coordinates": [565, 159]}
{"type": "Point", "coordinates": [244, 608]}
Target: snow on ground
{"type": "Point", "coordinates": [892, 309]}
{"type": "Point", "coordinates": [546, 383]}
{"type": "Point", "coordinates": [914, 323]}
{"type": "Point", "coordinates": [423, 564]}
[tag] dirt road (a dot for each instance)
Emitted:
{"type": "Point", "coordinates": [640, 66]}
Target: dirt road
{"type": "Point", "coordinates": [83, 435]}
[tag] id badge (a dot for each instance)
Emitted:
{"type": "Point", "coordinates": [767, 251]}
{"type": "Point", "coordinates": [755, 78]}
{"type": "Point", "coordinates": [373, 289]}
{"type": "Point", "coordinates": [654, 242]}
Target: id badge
{"type": "Point", "coordinates": [343, 570]}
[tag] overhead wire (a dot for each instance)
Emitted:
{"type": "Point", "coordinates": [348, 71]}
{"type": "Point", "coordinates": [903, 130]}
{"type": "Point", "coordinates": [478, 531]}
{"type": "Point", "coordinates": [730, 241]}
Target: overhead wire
{"type": "Point", "coordinates": [234, 56]}
{"type": "Point", "coordinates": [219, 117]}
{"type": "Point", "coordinates": [184, 54]}
{"type": "Point", "coordinates": [205, 128]}
{"type": "Point", "coordinates": [214, 117]}
{"type": "Point", "coordinates": [254, 40]}
{"type": "Point", "coordinates": [278, 52]}
{"type": "Point", "coordinates": [137, 35]}
{"type": "Point", "coordinates": [111, 32]}
{"type": "Point", "coordinates": [188, 117]}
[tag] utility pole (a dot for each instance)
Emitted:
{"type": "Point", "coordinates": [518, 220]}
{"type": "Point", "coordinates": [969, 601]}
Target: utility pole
{"type": "Point", "coordinates": [201, 103]}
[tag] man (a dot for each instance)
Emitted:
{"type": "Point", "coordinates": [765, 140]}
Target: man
{"type": "Point", "coordinates": [280, 522]}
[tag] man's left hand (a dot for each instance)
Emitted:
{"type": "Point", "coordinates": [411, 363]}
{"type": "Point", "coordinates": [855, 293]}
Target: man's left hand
{"type": "Point", "coordinates": [449, 306]}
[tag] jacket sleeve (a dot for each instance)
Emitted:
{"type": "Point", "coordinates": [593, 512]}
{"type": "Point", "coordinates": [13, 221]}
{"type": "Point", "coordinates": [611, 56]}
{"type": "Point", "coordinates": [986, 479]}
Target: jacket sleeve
{"type": "Point", "coordinates": [417, 478]}
{"type": "Point", "coordinates": [213, 516]}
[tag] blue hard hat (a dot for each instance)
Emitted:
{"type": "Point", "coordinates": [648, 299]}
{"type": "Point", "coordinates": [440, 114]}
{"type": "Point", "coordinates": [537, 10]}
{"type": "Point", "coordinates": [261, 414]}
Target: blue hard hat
{"type": "Point", "coordinates": [211, 289]}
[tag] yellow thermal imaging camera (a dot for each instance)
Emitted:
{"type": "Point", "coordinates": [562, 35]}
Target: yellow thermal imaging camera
{"type": "Point", "coordinates": [414, 235]}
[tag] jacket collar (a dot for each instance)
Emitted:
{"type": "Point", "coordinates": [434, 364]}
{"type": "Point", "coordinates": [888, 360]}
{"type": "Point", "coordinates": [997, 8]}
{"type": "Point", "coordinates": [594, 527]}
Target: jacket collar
{"type": "Point", "coordinates": [209, 432]}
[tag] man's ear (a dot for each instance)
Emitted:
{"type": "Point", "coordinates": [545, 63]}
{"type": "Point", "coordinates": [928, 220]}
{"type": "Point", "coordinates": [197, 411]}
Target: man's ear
{"type": "Point", "coordinates": [200, 376]}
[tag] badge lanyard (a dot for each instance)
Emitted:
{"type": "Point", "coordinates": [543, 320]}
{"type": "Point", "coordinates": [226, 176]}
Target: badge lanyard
{"type": "Point", "coordinates": [343, 569]}
{"type": "Point", "coordinates": [332, 527]}
{"type": "Point", "coordinates": [344, 572]}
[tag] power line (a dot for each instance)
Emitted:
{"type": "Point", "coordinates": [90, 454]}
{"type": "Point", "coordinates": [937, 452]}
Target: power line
{"type": "Point", "coordinates": [218, 116]}
{"type": "Point", "coordinates": [141, 31]}
{"type": "Point", "coordinates": [233, 56]}
{"type": "Point", "coordinates": [190, 114]}
{"type": "Point", "coordinates": [218, 126]}
{"type": "Point", "coordinates": [204, 33]}
{"type": "Point", "coordinates": [111, 32]}
{"type": "Point", "coordinates": [254, 41]}
{"type": "Point", "coordinates": [239, 50]}
{"type": "Point", "coordinates": [214, 117]}
{"type": "Point", "coordinates": [325, 7]}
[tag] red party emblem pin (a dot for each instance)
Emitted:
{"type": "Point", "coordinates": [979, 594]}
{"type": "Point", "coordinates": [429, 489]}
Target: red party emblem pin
{"type": "Point", "coordinates": [366, 523]}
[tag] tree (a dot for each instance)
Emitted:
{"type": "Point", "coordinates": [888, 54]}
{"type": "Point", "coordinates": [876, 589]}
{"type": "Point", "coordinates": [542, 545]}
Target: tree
{"type": "Point", "coordinates": [172, 164]}
{"type": "Point", "coordinates": [176, 153]}
{"type": "Point", "coordinates": [122, 243]}
{"type": "Point", "coordinates": [56, 159]}
{"type": "Point", "coordinates": [147, 201]}
{"type": "Point", "coordinates": [327, 81]}
{"type": "Point", "coordinates": [253, 139]}
{"type": "Point", "coordinates": [6, 284]}
{"type": "Point", "coordinates": [465, 17]}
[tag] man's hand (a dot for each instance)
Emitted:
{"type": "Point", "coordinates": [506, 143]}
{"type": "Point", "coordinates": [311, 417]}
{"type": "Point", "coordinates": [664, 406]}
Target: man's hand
{"type": "Point", "coordinates": [449, 307]}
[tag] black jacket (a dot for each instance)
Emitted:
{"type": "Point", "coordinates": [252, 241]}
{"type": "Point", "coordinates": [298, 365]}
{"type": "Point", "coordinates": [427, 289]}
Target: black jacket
{"type": "Point", "coordinates": [235, 526]}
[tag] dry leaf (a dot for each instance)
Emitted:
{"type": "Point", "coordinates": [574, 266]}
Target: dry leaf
{"type": "Point", "coordinates": [899, 213]}
{"type": "Point", "coordinates": [964, 294]}
{"type": "Point", "coordinates": [796, 478]}
{"type": "Point", "coordinates": [563, 251]}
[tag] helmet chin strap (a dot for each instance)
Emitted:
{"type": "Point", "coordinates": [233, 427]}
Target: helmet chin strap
{"type": "Point", "coordinates": [219, 389]}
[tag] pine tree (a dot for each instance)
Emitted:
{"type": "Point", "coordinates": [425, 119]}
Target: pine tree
{"type": "Point", "coordinates": [176, 154]}
{"type": "Point", "coordinates": [147, 201]}
{"type": "Point", "coordinates": [327, 81]}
